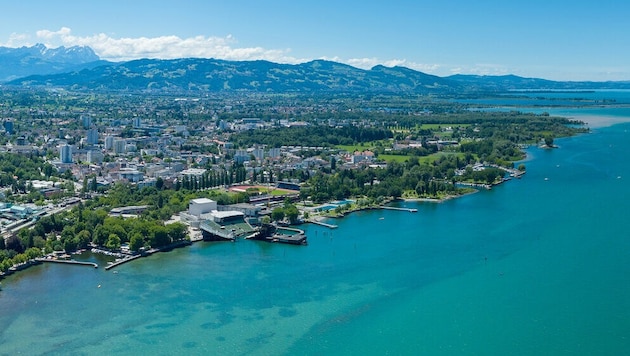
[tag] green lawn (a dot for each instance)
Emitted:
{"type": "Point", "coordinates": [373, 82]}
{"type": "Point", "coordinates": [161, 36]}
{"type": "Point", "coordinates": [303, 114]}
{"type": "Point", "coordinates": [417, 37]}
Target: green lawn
{"type": "Point", "coordinates": [440, 126]}
{"type": "Point", "coordinates": [425, 159]}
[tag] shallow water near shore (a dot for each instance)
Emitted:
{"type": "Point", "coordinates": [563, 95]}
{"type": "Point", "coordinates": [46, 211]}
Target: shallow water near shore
{"type": "Point", "coordinates": [536, 266]}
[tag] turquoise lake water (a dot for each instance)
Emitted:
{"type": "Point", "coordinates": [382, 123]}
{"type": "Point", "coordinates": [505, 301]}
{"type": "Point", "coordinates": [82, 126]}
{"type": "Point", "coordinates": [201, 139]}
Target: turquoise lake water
{"type": "Point", "coordinates": [536, 266]}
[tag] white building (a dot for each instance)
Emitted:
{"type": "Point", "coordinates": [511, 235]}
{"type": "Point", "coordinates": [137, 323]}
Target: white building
{"type": "Point", "coordinates": [196, 207]}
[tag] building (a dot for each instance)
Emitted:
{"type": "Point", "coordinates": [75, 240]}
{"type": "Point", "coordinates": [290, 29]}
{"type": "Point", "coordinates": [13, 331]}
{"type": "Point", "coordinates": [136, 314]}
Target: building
{"type": "Point", "coordinates": [259, 153]}
{"type": "Point", "coordinates": [275, 152]}
{"type": "Point", "coordinates": [109, 142]}
{"type": "Point", "coordinates": [200, 206]}
{"type": "Point", "coordinates": [65, 153]}
{"type": "Point", "coordinates": [137, 123]}
{"type": "Point", "coordinates": [131, 175]}
{"type": "Point", "coordinates": [92, 137]}
{"type": "Point", "coordinates": [241, 156]}
{"type": "Point", "coordinates": [87, 121]}
{"type": "Point", "coordinates": [119, 146]}
{"type": "Point", "coordinates": [95, 157]}
{"type": "Point", "coordinates": [8, 126]}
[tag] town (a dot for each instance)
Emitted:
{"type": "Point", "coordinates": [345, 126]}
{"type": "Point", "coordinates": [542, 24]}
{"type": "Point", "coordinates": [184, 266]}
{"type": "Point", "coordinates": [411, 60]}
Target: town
{"type": "Point", "coordinates": [243, 161]}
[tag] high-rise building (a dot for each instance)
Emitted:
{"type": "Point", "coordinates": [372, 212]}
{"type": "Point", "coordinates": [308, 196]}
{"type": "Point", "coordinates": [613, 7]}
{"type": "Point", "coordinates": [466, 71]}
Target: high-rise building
{"type": "Point", "coordinates": [92, 136]}
{"type": "Point", "coordinates": [109, 142]}
{"type": "Point", "coordinates": [65, 153]}
{"type": "Point", "coordinates": [119, 146]}
{"type": "Point", "coordinates": [87, 121]}
{"type": "Point", "coordinates": [95, 157]}
{"type": "Point", "coordinates": [137, 123]}
{"type": "Point", "coordinates": [8, 126]}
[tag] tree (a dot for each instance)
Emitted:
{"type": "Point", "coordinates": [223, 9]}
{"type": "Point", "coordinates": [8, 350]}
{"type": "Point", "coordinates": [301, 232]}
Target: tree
{"type": "Point", "coordinates": [93, 184]}
{"type": "Point", "coordinates": [113, 242]}
{"type": "Point", "coordinates": [159, 183]}
{"type": "Point", "coordinates": [292, 213]}
{"type": "Point", "coordinates": [176, 231]}
{"type": "Point", "coordinates": [277, 214]}
{"type": "Point", "coordinates": [136, 242]}
{"type": "Point", "coordinates": [83, 239]}
{"type": "Point", "coordinates": [548, 140]}
{"type": "Point", "coordinates": [159, 237]}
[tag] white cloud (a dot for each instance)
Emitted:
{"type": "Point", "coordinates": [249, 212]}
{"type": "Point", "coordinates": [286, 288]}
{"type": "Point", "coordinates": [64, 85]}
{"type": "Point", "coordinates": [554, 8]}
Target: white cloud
{"type": "Point", "coordinates": [367, 63]}
{"type": "Point", "coordinates": [480, 69]}
{"type": "Point", "coordinates": [164, 47]}
{"type": "Point", "coordinates": [171, 47]}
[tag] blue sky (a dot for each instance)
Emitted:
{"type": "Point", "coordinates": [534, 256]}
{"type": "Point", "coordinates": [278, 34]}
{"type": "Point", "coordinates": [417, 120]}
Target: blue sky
{"type": "Point", "coordinates": [552, 39]}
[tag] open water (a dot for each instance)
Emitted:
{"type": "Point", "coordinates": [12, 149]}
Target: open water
{"type": "Point", "coordinates": [536, 266]}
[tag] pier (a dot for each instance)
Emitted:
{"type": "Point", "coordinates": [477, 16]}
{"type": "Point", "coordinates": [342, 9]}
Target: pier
{"type": "Point", "coordinates": [68, 262]}
{"type": "Point", "coordinates": [120, 262]}
{"type": "Point", "coordinates": [330, 226]}
{"type": "Point", "coordinates": [399, 209]}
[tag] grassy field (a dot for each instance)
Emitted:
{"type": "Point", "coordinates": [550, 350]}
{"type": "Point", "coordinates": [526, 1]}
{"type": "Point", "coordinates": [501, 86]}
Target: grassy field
{"type": "Point", "coordinates": [440, 126]}
{"type": "Point", "coordinates": [263, 189]}
{"type": "Point", "coordinates": [363, 147]}
{"type": "Point", "coordinates": [426, 159]}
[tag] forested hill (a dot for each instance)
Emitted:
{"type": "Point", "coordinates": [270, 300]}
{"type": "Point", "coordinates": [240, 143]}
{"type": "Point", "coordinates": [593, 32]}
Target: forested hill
{"type": "Point", "coordinates": [319, 76]}
{"type": "Point", "coordinates": [258, 76]}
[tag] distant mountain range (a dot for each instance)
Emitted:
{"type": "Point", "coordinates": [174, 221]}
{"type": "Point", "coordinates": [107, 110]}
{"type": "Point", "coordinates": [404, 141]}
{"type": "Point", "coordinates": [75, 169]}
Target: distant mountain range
{"type": "Point", "coordinates": [39, 59]}
{"type": "Point", "coordinates": [81, 69]}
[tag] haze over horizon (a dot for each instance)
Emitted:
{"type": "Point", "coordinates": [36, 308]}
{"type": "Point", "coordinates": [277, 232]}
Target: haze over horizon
{"type": "Point", "coordinates": [541, 39]}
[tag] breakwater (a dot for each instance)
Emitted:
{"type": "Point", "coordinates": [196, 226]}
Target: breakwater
{"type": "Point", "coordinates": [68, 262]}
{"type": "Point", "coordinates": [399, 209]}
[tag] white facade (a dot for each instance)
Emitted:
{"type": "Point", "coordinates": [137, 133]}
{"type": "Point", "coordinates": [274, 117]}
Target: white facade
{"type": "Point", "coordinates": [196, 207]}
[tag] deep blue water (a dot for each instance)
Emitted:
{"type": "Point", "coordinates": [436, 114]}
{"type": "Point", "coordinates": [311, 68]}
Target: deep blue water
{"type": "Point", "coordinates": [536, 266]}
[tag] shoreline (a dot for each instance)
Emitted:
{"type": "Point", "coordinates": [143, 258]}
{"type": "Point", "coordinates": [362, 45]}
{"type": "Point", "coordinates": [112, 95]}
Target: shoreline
{"type": "Point", "coordinates": [596, 121]}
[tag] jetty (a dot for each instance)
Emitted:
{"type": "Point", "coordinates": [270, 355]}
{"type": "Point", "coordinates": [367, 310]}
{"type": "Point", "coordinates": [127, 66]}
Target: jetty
{"type": "Point", "coordinates": [321, 223]}
{"type": "Point", "coordinates": [68, 262]}
{"type": "Point", "coordinates": [411, 210]}
{"type": "Point", "coordinates": [121, 261]}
